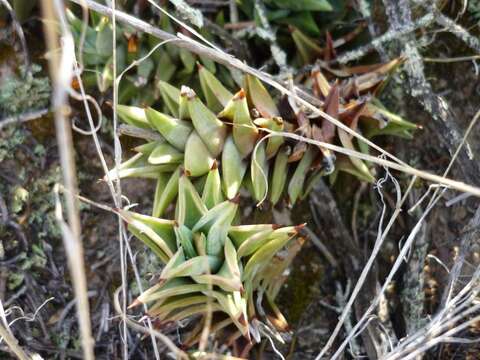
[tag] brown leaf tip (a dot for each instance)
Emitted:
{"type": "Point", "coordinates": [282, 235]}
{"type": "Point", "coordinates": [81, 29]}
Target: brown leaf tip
{"type": "Point", "coordinates": [300, 227]}
{"type": "Point", "coordinates": [278, 120]}
{"type": "Point", "coordinates": [214, 165]}
{"type": "Point", "coordinates": [242, 320]}
{"type": "Point", "coordinates": [301, 240]}
{"type": "Point", "coordinates": [185, 172]}
{"type": "Point", "coordinates": [236, 199]}
{"type": "Point", "coordinates": [239, 95]}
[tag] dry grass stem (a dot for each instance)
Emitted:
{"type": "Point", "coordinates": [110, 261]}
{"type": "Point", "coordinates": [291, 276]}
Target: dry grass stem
{"type": "Point", "coordinates": [61, 66]}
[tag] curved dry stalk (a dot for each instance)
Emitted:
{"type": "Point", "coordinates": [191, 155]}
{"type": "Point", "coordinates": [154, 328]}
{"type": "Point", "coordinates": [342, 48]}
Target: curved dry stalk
{"type": "Point", "coordinates": [118, 189]}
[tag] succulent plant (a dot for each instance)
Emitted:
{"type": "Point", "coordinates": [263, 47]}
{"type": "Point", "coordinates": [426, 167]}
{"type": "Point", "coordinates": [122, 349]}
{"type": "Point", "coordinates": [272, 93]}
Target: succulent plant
{"type": "Point", "coordinates": [229, 129]}
{"type": "Point", "coordinates": [304, 14]}
{"type": "Point", "coordinates": [138, 86]}
{"type": "Point", "coordinates": [213, 265]}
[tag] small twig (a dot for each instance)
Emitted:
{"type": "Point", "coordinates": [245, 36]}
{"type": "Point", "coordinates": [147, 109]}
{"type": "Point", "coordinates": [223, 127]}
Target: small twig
{"type": "Point", "coordinates": [233, 11]}
{"type": "Point", "coordinates": [452, 59]}
{"type": "Point", "coordinates": [25, 117]}
{"type": "Point", "coordinates": [239, 25]}
{"type": "Point", "coordinates": [321, 246]}
{"type": "Point", "coordinates": [12, 343]}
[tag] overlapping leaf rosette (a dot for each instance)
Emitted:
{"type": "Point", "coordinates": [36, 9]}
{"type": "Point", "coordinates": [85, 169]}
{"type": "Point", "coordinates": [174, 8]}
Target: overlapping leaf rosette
{"type": "Point", "coordinates": [349, 94]}
{"type": "Point", "coordinates": [202, 155]}
{"type": "Point", "coordinates": [212, 266]}
{"type": "Point", "coordinates": [232, 130]}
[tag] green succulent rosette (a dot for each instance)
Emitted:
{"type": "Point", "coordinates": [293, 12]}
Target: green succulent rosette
{"type": "Point", "coordinates": [233, 272]}
{"type": "Point", "coordinates": [232, 130]}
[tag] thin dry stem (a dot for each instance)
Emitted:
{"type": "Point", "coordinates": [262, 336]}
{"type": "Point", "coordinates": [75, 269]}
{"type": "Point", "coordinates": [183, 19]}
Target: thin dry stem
{"type": "Point", "coordinates": [12, 343]}
{"type": "Point", "coordinates": [61, 65]}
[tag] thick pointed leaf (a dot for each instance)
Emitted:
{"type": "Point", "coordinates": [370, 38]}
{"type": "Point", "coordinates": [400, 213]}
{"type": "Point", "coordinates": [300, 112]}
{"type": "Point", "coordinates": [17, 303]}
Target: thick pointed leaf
{"type": "Point", "coordinates": [233, 168]}
{"type": "Point", "coordinates": [274, 142]}
{"type": "Point", "coordinates": [176, 302]}
{"type": "Point", "coordinates": [198, 159]}
{"type": "Point", "coordinates": [358, 163]}
{"type": "Point", "coordinates": [172, 287]}
{"type": "Point", "coordinates": [165, 192]}
{"type": "Point", "coordinates": [134, 116]}
{"type": "Point", "coordinates": [263, 255]}
{"type": "Point", "coordinates": [165, 154]}
{"type": "Point", "coordinates": [240, 233]}
{"type": "Point", "coordinates": [190, 207]}
{"type": "Point", "coordinates": [175, 131]}
{"type": "Point", "coordinates": [259, 172]}
{"type": "Point", "coordinates": [250, 245]}
{"type": "Point", "coordinates": [216, 95]}
{"type": "Point", "coordinates": [170, 96]}
{"type": "Point", "coordinates": [146, 149]}
{"type": "Point", "coordinates": [158, 230]}
{"type": "Point", "coordinates": [259, 97]}
{"type": "Point", "coordinates": [213, 215]}
{"type": "Point", "coordinates": [212, 191]}
{"type": "Point", "coordinates": [198, 265]}
{"type": "Point", "coordinates": [185, 240]}
{"type": "Point", "coordinates": [296, 184]}
{"type": "Point", "coordinates": [309, 50]}
{"type": "Point", "coordinates": [211, 130]}
{"type": "Point", "coordinates": [279, 176]}
{"type": "Point", "coordinates": [245, 133]}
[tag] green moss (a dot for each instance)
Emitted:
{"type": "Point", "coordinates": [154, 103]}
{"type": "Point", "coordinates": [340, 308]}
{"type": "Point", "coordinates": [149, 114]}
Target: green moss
{"type": "Point", "coordinates": [27, 91]}
{"type": "Point", "coordinates": [301, 286]}
{"type": "Point", "coordinates": [42, 204]}
{"type": "Point", "coordinates": [11, 138]}
{"type": "Point", "coordinates": [474, 9]}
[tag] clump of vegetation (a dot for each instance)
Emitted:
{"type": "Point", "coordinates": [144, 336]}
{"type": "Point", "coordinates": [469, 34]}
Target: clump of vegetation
{"type": "Point", "coordinates": [138, 86]}
{"type": "Point", "coordinates": [213, 266]}
{"type": "Point", "coordinates": [206, 152]}
{"type": "Point", "coordinates": [235, 128]}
